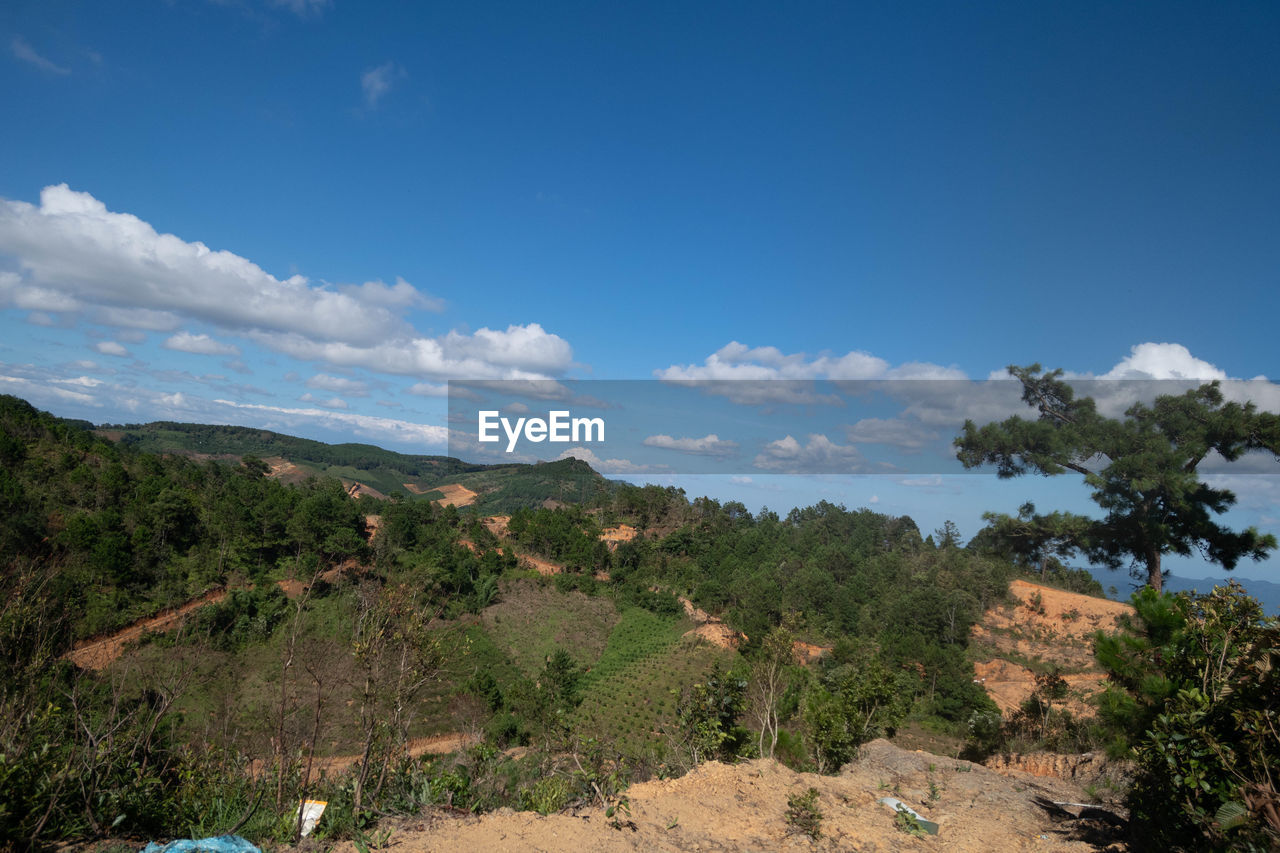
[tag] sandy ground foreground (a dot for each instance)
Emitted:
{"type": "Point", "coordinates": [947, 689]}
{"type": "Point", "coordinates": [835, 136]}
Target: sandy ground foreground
{"type": "Point", "coordinates": [743, 808]}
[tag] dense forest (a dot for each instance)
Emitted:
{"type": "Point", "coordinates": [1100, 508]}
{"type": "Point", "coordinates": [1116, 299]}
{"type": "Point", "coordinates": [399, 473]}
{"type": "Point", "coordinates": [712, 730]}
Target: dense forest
{"type": "Point", "coordinates": [346, 630]}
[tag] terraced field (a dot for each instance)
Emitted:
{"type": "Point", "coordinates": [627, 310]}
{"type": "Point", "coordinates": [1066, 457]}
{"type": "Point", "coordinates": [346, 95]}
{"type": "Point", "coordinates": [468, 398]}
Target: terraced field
{"type": "Point", "coordinates": [631, 694]}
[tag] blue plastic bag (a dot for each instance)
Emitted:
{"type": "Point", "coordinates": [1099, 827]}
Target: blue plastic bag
{"type": "Point", "coordinates": [219, 844]}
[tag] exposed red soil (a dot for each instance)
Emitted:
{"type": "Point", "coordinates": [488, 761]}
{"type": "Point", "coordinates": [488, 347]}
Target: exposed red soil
{"type": "Point", "coordinates": [455, 495]}
{"type": "Point", "coordinates": [100, 652]}
{"type": "Point", "coordinates": [1051, 626]}
{"type": "Point", "coordinates": [710, 628]}
{"type": "Point", "coordinates": [808, 653]}
{"type": "Point", "coordinates": [360, 490]}
{"type": "Point", "coordinates": [615, 536]}
{"type": "Point", "coordinates": [284, 470]}
{"type": "Point", "coordinates": [541, 566]}
{"type": "Point", "coordinates": [497, 524]}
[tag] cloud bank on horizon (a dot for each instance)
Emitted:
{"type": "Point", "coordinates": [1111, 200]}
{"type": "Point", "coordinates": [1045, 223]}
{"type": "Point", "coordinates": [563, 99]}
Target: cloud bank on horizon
{"type": "Point", "coordinates": [127, 291]}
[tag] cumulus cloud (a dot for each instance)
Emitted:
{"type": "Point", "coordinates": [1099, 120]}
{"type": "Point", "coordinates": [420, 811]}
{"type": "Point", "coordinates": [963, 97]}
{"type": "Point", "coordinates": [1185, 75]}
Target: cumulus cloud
{"type": "Point", "coordinates": [199, 344]}
{"type": "Point", "coordinates": [1163, 361]}
{"type": "Point", "coordinates": [519, 352]}
{"type": "Point", "coordinates": [819, 455]}
{"type": "Point", "coordinates": [708, 445]}
{"type": "Point", "coordinates": [339, 385]}
{"type": "Point", "coordinates": [25, 52]}
{"type": "Point", "coordinates": [74, 255]}
{"type": "Point", "coordinates": [377, 82]}
{"type": "Point", "coordinates": [738, 361]}
{"type": "Point", "coordinates": [401, 295]}
{"type": "Point", "coordinates": [73, 245]}
{"type": "Point", "coordinates": [110, 348]}
{"type": "Point", "coordinates": [760, 375]}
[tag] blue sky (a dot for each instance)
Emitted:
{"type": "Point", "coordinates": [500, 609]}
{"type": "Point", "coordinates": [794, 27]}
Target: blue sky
{"type": "Point", "coordinates": [311, 215]}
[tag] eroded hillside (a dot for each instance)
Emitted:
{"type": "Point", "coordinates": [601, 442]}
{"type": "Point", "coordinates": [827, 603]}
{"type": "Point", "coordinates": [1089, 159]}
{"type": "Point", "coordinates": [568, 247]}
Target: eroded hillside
{"type": "Point", "coordinates": [1042, 628]}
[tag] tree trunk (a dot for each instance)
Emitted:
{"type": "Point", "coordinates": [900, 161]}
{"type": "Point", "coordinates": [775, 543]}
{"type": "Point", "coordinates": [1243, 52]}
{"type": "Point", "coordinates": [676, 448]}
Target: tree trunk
{"type": "Point", "coordinates": [1155, 577]}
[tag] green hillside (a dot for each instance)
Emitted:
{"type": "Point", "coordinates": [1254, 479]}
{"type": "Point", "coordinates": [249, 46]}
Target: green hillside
{"type": "Point", "coordinates": [501, 488]}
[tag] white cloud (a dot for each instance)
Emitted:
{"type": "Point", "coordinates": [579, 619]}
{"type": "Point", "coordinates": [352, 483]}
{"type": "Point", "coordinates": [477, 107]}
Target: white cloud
{"type": "Point", "coordinates": [402, 294]}
{"type": "Point", "coordinates": [339, 385]}
{"type": "Point", "coordinates": [331, 403]}
{"type": "Point", "coordinates": [898, 432]}
{"type": "Point", "coordinates": [1163, 361]}
{"type": "Point", "coordinates": [739, 480]}
{"type": "Point", "coordinates": [708, 445]}
{"type": "Point", "coordinates": [819, 455]}
{"type": "Point", "coordinates": [73, 245]}
{"type": "Point", "coordinates": [738, 361]}
{"type": "Point", "coordinates": [38, 392]}
{"type": "Point", "coordinates": [27, 54]}
{"type": "Point", "coordinates": [785, 378]}
{"type": "Point", "coordinates": [519, 352]}
{"type": "Point", "coordinates": [137, 318]}
{"type": "Point", "coordinates": [873, 500]}
{"type": "Point", "coordinates": [428, 389]}
{"type": "Point", "coordinates": [110, 348]}
{"type": "Point", "coordinates": [608, 466]}
{"type": "Point", "coordinates": [74, 255]}
{"type": "Point", "coordinates": [200, 344]}
{"type": "Point", "coordinates": [376, 82]}
{"type": "Point", "coordinates": [369, 426]}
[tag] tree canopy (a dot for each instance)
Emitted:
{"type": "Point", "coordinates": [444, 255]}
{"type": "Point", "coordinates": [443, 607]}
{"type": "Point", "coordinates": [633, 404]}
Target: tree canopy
{"type": "Point", "coordinates": [1142, 469]}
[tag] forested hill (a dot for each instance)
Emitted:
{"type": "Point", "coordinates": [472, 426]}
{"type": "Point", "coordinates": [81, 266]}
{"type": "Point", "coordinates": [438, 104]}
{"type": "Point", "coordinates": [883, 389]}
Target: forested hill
{"type": "Point", "coordinates": [499, 488]}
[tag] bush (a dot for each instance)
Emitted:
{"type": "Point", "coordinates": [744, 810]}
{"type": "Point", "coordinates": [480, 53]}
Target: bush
{"type": "Point", "coordinates": [1210, 740]}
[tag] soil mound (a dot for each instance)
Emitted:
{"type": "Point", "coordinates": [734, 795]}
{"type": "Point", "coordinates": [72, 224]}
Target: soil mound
{"type": "Point", "coordinates": [744, 807]}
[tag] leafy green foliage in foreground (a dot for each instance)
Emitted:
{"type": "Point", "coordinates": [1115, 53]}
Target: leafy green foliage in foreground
{"type": "Point", "coordinates": [1197, 683]}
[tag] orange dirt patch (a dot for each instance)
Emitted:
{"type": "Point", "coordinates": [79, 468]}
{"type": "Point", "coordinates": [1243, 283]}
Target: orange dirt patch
{"type": "Point", "coordinates": [1009, 685]}
{"type": "Point", "coordinates": [710, 628]}
{"type": "Point", "coordinates": [434, 745]}
{"type": "Point", "coordinates": [807, 653]}
{"type": "Point", "coordinates": [541, 566]}
{"type": "Point", "coordinates": [718, 634]}
{"type": "Point", "coordinates": [697, 614]}
{"type": "Point", "coordinates": [615, 536]}
{"type": "Point", "coordinates": [455, 495]}
{"type": "Point", "coordinates": [497, 524]}
{"type": "Point", "coordinates": [371, 525]}
{"type": "Point", "coordinates": [360, 490]}
{"type": "Point", "coordinates": [102, 652]}
{"type": "Point", "coordinates": [1049, 625]}
{"type": "Point", "coordinates": [743, 807]}
{"type": "Point", "coordinates": [283, 469]}
{"type": "Point", "coordinates": [414, 488]}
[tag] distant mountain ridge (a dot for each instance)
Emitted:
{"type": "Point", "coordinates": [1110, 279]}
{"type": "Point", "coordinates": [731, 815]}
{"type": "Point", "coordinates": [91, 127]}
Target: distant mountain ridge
{"type": "Point", "coordinates": [1266, 592]}
{"type": "Point", "coordinates": [500, 488]}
